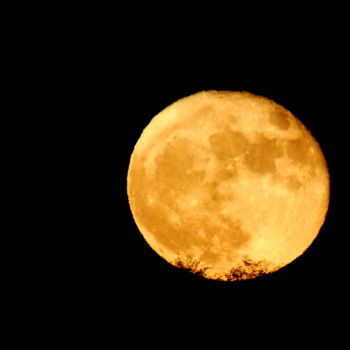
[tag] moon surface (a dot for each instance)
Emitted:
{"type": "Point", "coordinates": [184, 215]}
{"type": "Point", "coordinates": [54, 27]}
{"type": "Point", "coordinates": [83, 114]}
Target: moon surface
{"type": "Point", "coordinates": [227, 184]}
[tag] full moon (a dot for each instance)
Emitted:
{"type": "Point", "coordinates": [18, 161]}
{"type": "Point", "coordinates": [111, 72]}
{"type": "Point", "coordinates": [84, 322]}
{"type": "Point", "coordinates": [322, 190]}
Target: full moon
{"type": "Point", "coordinates": [228, 185]}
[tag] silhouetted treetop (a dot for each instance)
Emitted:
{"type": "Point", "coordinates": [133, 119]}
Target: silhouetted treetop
{"type": "Point", "coordinates": [248, 269]}
{"type": "Point", "coordinates": [191, 265]}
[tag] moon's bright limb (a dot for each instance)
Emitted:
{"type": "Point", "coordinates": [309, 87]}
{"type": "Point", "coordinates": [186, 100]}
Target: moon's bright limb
{"type": "Point", "coordinates": [229, 184]}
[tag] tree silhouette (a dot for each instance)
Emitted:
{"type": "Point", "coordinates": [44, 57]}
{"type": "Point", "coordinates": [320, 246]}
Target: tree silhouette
{"type": "Point", "coordinates": [248, 269]}
{"type": "Point", "coordinates": [191, 265]}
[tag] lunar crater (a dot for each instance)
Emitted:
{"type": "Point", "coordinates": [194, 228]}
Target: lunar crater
{"type": "Point", "coordinates": [228, 144]}
{"type": "Point", "coordinates": [280, 118]}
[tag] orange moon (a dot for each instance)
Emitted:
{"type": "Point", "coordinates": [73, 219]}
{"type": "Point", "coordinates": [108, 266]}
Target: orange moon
{"type": "Point", "coordinates": [228, 185]}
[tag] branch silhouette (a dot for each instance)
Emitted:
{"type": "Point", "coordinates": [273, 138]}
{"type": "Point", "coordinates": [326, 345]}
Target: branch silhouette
{"type": "Point", "coordinates": [248, 269]}
{"type": "Point", "coordinates": [191, 265]}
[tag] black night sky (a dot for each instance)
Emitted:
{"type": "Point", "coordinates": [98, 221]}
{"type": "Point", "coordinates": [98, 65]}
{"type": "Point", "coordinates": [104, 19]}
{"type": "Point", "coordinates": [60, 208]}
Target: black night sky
{"type": "Point", "coordinates": [90, 78]}
{"type": "Point", "coordinates": [130, 260]}
{"type": "Point", "coordinates": [122, 98]}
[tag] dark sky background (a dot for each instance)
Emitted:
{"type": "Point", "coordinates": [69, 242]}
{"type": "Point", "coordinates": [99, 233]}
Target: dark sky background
{"type": "Point", "coordinates": [125, 91]}
{"type": "Point", "coordinates": [132, 263]}
{"type": "Point", "coordinates": [92, 78]}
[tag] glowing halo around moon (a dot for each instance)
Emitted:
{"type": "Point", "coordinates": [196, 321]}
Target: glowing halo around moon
{"type": "Point", "coordinates": [228, 185]}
